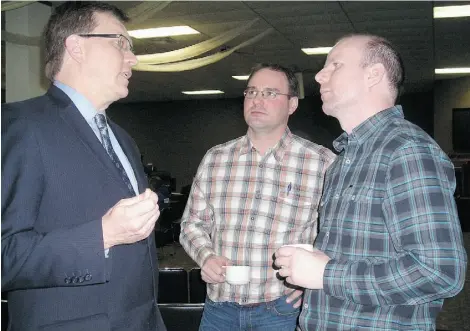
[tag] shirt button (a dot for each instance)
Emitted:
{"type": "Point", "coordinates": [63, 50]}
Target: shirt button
{"type": "Point", "coordinates": [252, 218]}
{"type": "Point", "coordinates": [258, 196]}
{"type": "Point", "coordinates": [353, 197]}
{"type": "Point", "coordinates": [336, 196]}
{"type": "Point", "coordinates": [348, 161]}
{"type": "Point", "coordinates": [261, 166]}
{"type": "Point", "coordinates": [305, 305]}
{"type": "Point", "coordinates": [321, 204]}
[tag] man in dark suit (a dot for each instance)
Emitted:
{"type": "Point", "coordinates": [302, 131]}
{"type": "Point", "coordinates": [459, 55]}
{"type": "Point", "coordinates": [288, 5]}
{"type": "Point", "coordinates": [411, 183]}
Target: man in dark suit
{"type": "Point", "coordinates": [76, 212]}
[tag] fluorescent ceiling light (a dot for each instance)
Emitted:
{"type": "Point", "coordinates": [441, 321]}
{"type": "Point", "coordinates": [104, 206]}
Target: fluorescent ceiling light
{"type": "Point", "coordinates": [163, 32]}
{"type": "Point", "coordinates": [452, 11]}
{"type": "Point", "coordinates": [316, 50]}
{"type": "Point", "coordinates": [241, 77]}
{"type": "Point", "coordinates": [203, 92]}
{"type": "Point", "coordinates": [444, 71]}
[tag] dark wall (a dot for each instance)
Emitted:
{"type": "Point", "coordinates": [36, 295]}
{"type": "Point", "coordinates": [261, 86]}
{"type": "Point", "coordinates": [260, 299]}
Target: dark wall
{"type": "Point", "coordinates": [174, 136]}
{"type": "Point", "coordinates": [419, 109]}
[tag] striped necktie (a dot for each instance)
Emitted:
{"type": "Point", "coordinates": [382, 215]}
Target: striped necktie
{"type": "Point", "coordinates": [102, 125]}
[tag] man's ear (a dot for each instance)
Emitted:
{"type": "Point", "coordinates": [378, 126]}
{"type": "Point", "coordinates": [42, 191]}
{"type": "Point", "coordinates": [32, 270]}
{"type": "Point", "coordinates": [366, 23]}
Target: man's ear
{"type": "Point", "coordinates": [74, 47]}
{"type": "Point", "coordinates": [293, 104]}
{"type": "Point", "coordinates": [375, 74]}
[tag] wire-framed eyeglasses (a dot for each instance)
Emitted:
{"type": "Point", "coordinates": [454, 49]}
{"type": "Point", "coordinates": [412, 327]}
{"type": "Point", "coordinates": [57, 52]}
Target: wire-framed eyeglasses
{"type": "Point", "coordinates": [123, 43]}
{"type": "Point", "coordinates": [251, 93]}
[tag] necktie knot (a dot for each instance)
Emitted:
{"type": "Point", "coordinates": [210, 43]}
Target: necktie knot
{"type": "Point", "coordinates": [100, 121]}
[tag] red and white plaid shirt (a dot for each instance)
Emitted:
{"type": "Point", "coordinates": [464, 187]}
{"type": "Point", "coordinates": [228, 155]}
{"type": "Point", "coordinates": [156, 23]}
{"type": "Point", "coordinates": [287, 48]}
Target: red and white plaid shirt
{"type": "Point", "coordinates": [244, 206]}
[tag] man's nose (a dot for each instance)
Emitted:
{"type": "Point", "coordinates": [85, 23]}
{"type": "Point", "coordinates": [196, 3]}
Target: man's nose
{"type": "Point", "coordinates": [131, 58]}
{"type": "Point", "coordinates": [320, 76]}
{"type": "Point", "coordinates": [258, 98]}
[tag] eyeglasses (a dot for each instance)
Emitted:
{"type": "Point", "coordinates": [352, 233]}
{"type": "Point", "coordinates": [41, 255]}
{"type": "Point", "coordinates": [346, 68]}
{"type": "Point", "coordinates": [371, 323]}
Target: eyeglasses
{"type": "Point", "coordinates": [252, 93]}
{"type": "Point", "coordinates": [124, 43]}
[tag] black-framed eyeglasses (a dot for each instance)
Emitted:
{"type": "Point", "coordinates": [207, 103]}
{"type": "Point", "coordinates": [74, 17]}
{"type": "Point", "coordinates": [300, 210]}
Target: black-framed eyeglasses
{"type": "Point", "coordinates": [124, 43]}
{"type": "Point", "coordinates": [251, 93]}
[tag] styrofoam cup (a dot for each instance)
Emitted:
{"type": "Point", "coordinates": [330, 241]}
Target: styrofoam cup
{"type": "Point", "coordinates": [237, 274]}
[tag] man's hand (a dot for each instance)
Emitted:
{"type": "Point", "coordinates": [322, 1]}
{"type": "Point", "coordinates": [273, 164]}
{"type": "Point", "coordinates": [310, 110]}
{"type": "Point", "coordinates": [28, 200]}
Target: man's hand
{"type": "Point", "coordinates": [295, 296]}
{"type": "Point", "coordinates": [130, 220]}
{"type": "Point", "coordinates": [213, 270]}
{"type": "Point", "coordinates": [301, 267]}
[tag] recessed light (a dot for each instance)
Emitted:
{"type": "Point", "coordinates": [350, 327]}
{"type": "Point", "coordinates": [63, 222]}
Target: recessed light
{"type": "Point", "coordinates": [316, 50]}
{"type": "Point", "coordinates": [245, 77]}
{"type": "Point", "coordinates": [452, 11]}
{"type": "Point", "coordinates": [444, 71]}
{"type": "Point", "coordinates": [203, 92]}
{"type": "Point", "coordinates": [163, 32]}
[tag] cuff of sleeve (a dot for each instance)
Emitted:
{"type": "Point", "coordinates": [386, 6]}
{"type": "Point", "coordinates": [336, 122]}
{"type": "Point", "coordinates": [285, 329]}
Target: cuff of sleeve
{"type": "Point", "coordinates": [86, 254]}
{"type": "Point", "coordinates": [334, 283]}
{"type": "Point", "coordinates": [203, 255]}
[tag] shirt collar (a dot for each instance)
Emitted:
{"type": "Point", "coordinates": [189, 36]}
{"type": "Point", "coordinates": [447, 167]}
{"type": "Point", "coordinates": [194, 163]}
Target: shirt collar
{"type": "Point", "coordinates": [245, 145]}
{"type": "Point", "coordinates": [83, 105]}
{"type": "Point", "coordinates": [367, 128]}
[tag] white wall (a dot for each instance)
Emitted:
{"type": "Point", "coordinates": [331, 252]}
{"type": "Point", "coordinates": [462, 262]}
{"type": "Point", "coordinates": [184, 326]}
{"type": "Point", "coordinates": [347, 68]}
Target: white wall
{"type": "Point", "coordinates": [448, 94]}
{"type": "Point", "coordinates": [24, 66]}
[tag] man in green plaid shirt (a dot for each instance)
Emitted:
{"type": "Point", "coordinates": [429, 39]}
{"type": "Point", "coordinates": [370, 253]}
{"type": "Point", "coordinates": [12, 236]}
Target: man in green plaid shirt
{"type": "Point", "coordinates": [390, 245]}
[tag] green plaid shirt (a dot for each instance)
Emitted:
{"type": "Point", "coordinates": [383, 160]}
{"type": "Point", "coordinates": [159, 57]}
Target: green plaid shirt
{"type": "Point", "coordinates": [389, 223]}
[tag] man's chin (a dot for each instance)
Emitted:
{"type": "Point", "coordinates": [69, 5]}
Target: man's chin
{"type": "Point", "coordinates": [327, 110]}
{"type": "Point", "coordinates": [124, 92]}
{"type": "Point", "coordinates": [255, 123]}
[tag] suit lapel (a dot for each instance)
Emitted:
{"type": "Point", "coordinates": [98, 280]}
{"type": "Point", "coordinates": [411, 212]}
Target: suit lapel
{"type": "Point", "coordinates": [72, 117]}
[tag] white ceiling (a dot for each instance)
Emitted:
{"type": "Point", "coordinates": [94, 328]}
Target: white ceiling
{"type": "Point", "coordinates": [423, 42]}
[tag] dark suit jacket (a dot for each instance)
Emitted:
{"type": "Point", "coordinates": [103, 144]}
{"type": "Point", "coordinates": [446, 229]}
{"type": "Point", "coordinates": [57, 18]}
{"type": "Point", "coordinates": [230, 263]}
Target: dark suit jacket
{"type": "Point", "coordinates": [57, 183]}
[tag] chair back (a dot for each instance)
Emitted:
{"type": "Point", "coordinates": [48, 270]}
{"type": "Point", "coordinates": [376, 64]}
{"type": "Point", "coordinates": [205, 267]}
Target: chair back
{"type": "Point", "coordinates": [173, 285]}
{"type": "Point", "coordinates": [197, 287]}
{"type": "Point", "coordinates": [181, 317]}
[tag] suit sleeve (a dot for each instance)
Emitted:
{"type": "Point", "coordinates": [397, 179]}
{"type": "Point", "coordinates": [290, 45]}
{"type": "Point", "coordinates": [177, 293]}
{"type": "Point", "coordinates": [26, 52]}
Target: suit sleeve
{"type": "Point", "coordinates": [64, 257]}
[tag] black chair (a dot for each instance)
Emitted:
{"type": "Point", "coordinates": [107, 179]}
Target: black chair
{"type": "Point", "coordinates": [4, 314]}
{"type": "Point", "coordinates": [173, 285]}
{"type": "Point", "coordinates": [181, 317]}
{"type": "Point", "coordinates": [197, 287]}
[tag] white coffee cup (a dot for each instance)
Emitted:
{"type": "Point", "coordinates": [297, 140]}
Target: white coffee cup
{"type": "Point", "coordinates": [237, 274]}
{"type": "Point", "coordinates": [307, 247]}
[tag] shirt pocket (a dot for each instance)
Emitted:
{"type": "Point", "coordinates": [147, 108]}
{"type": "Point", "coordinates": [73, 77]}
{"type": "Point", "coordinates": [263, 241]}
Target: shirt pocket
{"type": "Point", "coordinates": [361, 203]}
{"type": "Point", "coordinates": [361, 194]}
{"type": "Point", "coordinates": [294, 208]}
{"type": "Point", "coordinates": [295, 196]}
